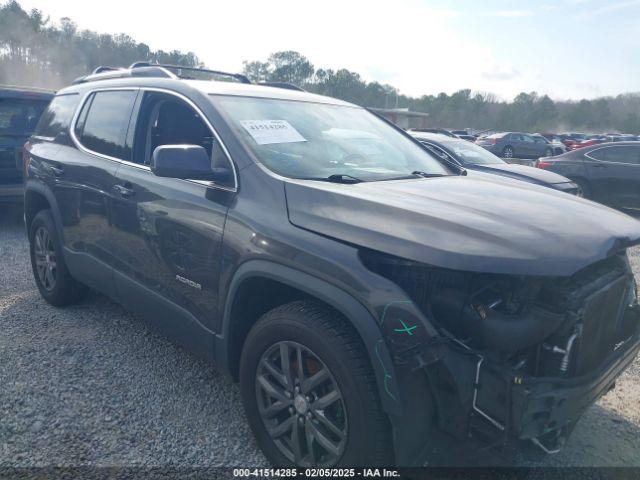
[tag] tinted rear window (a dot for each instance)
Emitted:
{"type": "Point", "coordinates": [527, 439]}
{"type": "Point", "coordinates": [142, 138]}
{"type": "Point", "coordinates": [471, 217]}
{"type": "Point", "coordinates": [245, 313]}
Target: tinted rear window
{"type": "Point", "coordinates": [57, 117]}
{"type": "Point", "coordinates": [104, 128]}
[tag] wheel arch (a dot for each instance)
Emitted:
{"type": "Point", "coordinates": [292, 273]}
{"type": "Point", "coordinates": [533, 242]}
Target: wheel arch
{"type": "Point", "coordinates": [281, 284]}
{"type": "Point", "coordinates": [37, 198]}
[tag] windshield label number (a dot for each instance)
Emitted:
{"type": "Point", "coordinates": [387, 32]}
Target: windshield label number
{"type": "Point", "coordinates": [265, 132]}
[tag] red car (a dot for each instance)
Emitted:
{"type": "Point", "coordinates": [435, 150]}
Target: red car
{"type": "Point", "coordinates": [585, 143]}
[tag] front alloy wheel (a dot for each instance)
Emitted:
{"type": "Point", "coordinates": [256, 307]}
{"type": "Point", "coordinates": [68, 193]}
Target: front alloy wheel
{"type": "Point", "coordinates": [301, 405]}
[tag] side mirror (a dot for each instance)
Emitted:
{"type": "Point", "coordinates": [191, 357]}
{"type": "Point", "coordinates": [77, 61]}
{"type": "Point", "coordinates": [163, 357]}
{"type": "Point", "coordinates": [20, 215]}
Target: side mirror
{"type": "Point", "coordinates": [186, 162]}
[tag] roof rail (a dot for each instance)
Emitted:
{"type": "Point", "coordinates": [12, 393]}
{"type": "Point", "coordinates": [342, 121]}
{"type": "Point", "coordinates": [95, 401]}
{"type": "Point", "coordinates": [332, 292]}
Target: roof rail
{"type": "Point", "coordinates": [285, 85]}
{"type": "Point", "coordinates": [164, 70]}
{"type": "Point", "coordinates": [179, 68]}
{"type": "Point", "coordinates": [104, 68]}
{"type": "Point", "coordinates": [106, 73]}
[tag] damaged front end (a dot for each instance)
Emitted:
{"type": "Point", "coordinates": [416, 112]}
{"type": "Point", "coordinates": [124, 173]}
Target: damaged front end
{"type": "Point", "coordinates": [517, 359]}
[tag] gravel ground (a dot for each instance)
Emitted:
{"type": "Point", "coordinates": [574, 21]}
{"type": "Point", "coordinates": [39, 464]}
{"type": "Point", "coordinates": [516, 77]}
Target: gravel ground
{"type": "Point", "coordinates": [92, 385]}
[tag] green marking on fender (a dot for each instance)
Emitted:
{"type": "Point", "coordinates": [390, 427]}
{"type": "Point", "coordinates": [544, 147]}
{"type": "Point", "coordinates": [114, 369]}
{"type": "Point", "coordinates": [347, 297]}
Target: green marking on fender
{"type": "Point", "coordinates": [405, 328]}
{"type": "Point", "coordinates": [386, 307]}
{"type": "Point", "coordinates": [387, 377]}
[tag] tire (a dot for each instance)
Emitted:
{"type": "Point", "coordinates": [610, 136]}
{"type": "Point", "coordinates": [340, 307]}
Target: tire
{"type": "Point", "coordinates": [329, 345]}
{"type": "Point", "coordinates": [55, 283]}
{"type": "Point", "coordinates": [507, 152]}
{"type": "Point", "coordinates": [584, 189]}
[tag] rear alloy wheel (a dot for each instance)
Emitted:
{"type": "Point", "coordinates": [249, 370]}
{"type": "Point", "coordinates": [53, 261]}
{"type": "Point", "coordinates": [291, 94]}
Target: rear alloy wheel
{"type": "Point", "coordinates": [55, 283]}
{"type": "Point", "coordinates": [507, 152]}
{"type": "Point", "coordinates": [45, 258]}
{"type": "Point", "coordinates": [301, 405]}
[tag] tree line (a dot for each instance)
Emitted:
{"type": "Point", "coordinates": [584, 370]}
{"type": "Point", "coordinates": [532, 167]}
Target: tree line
{"type": "Point", "coordinates": [528, 111]}
{"type": "Point", "coordinates": [34, 51]}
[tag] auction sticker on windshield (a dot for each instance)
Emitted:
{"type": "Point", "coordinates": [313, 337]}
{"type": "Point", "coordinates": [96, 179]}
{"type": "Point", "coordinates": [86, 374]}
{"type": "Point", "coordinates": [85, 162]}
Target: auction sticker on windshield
{"type": "Point", "coordinates": [265, 132]}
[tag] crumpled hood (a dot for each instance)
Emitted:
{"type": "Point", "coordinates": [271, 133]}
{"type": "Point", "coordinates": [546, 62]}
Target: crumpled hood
{"type": "Point", "coordinates": [479, 223]}
{"type": "Point", "coordinates": [523, 172]}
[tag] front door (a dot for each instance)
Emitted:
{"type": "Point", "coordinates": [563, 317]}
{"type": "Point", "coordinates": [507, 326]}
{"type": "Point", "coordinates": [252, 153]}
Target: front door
{"type": "Point", "coordinates": [170, 230]}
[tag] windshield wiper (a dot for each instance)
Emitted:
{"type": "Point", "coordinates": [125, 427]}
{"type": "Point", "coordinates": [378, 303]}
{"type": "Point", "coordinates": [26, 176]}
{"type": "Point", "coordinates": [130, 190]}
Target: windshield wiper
{"type": "Point", "coordinates": [342, 178]}
{"type": "Point", "coordinates": [335, 178]}
{"type": "Point", "coordinates": [428, 175]}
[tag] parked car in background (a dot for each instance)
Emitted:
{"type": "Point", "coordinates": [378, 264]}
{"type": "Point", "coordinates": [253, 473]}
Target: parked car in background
{"type": "Point", "coordinates": [467, 137]}
{"type": "Point", "coordinates": [441, 131]}
{"type": "Point", "coordinates": [460, 132]}
{"type": "Point", "coordinates": [515, 145]}
{"type": "Point", "coordinates": [594, 140]}
{"type": "Point", "coordinates": [20, 110]}
{"type": "Point", "coordinates": [558, 147]}
{"type": "Point", "coordinates": [474, 157]}
{"type": "Point", "coordinates": [608, 173]}
{"type": "Point", "coordinates": [624, 138]}
{"type": "Point", "coordinates": [569, 139]}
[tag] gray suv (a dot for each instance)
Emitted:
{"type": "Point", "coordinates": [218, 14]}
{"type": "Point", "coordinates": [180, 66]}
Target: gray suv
{"type": "Point", "coordinates": [376, 304]}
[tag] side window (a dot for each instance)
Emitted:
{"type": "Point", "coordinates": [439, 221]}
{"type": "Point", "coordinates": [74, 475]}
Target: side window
{"type": "Point", "coordinates": [165, 119]}
{"type": "Point", "coordinates": [527, 138]}
{"type": "Point", "coordinates": [630, 155]}
{"type": "Point", "coordinates": [102, 124]}
{"type": "Point", "coordinates": [57, 117]}
{"type": "Point", "coordinates": [599, 154]}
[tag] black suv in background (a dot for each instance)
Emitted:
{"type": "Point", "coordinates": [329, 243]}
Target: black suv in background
{"type": "Point", "coordinates": [20, 110]}
{"type": "Point", "coordinates": [376, 304]}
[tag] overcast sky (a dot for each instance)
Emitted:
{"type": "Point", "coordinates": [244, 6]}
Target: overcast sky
{"type": "Point", "coordinates": [565, 48]}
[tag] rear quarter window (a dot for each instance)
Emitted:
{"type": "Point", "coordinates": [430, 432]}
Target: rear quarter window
{"type": "Point", "coordinates": [103, 123]}
{"type": "Point", "coordinates": [57, 117]}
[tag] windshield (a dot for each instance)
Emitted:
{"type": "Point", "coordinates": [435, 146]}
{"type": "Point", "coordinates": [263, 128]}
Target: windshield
{"type": "Point", "coordinates": [468, 152]}
{"type": "Point", "coordinates": [316, 141]}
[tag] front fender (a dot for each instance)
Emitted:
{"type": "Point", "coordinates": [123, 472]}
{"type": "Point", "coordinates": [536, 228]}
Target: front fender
{"type": "Point", "coordinates": [361, 319]}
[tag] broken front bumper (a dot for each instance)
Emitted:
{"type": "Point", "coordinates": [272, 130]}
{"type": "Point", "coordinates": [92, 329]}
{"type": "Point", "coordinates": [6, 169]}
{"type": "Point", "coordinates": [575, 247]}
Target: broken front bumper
{"type": "Point", "coordinates": [489, 406]}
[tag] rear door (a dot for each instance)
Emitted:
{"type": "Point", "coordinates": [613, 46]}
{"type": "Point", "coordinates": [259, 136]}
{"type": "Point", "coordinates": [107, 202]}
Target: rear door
{"type": "Point", "coordinates": [170, 230]}
{"type": "Point", "coordinates": [614, 172]}
{"type": "Point", "coordinates": [84, 171]}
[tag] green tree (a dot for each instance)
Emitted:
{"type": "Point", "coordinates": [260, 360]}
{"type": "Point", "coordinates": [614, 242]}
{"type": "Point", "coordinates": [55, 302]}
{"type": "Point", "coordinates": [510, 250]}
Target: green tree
{"type": "Point", "coordinates": [290, 66]}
